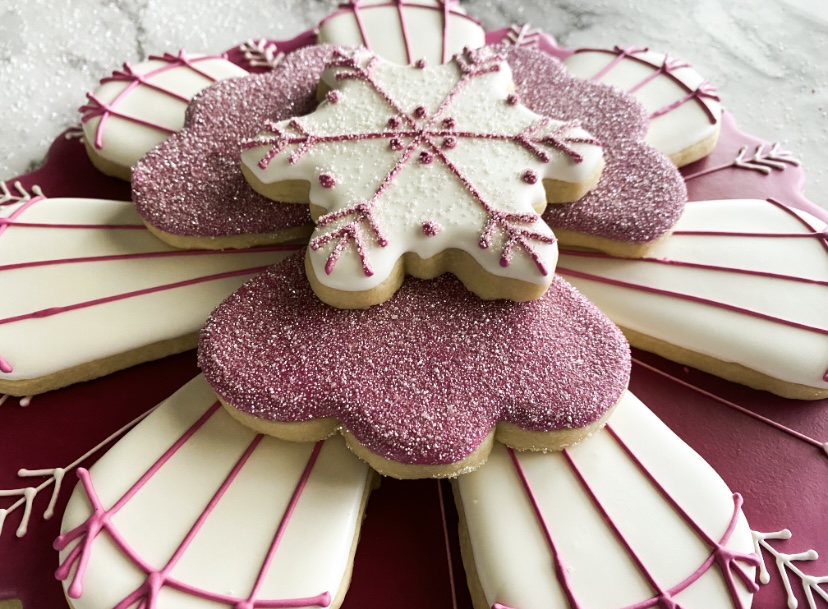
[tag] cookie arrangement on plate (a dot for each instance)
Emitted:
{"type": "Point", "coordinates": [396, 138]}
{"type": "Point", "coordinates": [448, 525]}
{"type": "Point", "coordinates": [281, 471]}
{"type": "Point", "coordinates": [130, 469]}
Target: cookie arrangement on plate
{"type": "Point", "coordinates": [425, 322]}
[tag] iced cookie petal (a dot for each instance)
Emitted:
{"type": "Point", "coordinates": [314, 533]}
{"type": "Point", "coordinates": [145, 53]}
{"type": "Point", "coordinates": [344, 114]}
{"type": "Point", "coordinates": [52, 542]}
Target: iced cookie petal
{"type": "Point", "coordinates": [641, 194]}
{"type": "Point", "coordinates": [423, 383]}
{"type": "Point", "coordinates": [414, 163]}
{"type": "Point", "coordinates": [192, 508]}
{"type": "Point", "coordinates": [684, 109]}
{"type": "Point", "coordinates": [190, 190]}
{"type": "Point", "coordinates": [139, 106]}
{"type": "Point", "coordinates": [87, 291]}
{"type": "Point", "coordinates": [404, 32]}
{"type": "Point", "coordinates": [576, 529]}
{"type": "Point", "coordinates": [739, 290]}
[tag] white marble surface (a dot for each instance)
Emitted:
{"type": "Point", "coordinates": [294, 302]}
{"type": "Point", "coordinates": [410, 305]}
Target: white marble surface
{"type": "Point", "coordinates": [766, 58]}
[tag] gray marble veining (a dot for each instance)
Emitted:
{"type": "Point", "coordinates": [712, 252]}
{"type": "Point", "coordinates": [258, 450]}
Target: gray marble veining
{"type": "Point", "coordinates": [766, 58]}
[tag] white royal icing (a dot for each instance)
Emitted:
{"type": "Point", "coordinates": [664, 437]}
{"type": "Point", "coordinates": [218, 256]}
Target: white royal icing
{"type": "Point", "coordinates": [199, 446]}
{"type": "Point", "coordinates": [409, 195]}
{"type": "Point", "coordinates": [142, 104]}
{"type": "Point", "coordinates": [404, 32]}
{"type": "Point", "coordinates": [693, 121]}
{"type": "Point", "coordinates": [796, 290]}
{"type": "Point", "coordinates": [76, 254]}
{"type": "Point", "coordinates": [512, 552]}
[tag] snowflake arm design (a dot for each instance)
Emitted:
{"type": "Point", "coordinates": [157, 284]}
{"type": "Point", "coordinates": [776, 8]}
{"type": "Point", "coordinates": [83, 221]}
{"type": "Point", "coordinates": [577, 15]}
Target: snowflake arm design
{"type": "Point", "coordinates": [785, 565]}
{"type": "Point", "coordinates": [395, 149]}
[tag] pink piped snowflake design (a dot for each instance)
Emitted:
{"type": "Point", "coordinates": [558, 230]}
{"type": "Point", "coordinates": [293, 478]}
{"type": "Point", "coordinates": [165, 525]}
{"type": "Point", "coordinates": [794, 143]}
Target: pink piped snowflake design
{"type": "Point", "coordinates": [405, 147]}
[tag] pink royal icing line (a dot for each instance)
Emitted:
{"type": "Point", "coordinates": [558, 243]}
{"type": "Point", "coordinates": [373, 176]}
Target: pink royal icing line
{"type": "Point", "coordinates": [80, 554]}
{"type": "Point", "coordinates": [6, 221]}
{"type": "Point", "coordinates": [409, 52]}
{"type": "Point", "coordinates": [356, 7]}
{"type": "Point", "coordinates": [9, 220]}
{"type": "Point", "coordinates": [704, 90]}
{"type": "Point", "coordinates": [667, 67]}
{"type": "Point", "coordinates": [689, 297]}
{"type": "Point", "coordinates": [146, 255]}
{"type": "Point", "coordinates": [147, 593]}
{"type": "Point", "coordinates": [104, 110]}
{"type": "Point", "coordinates": [706, 267]}
{"type": "Point", "coordinates": [561, 572]}
{"type": "Point", "coordinates": [823, 446]}
{"type": "Point", "coordinates": [727, 560]}
{"type": "Point", "coordinates": [349, 7]}
{"type": "Point", "coordinates": [126, 295]}
{"type": "Point", "coordinates": [447, 543]}
{"type": "Point", "coordinates": [621, 54]}
{"type": "Point", "coordinates": [7, 368]}
{"type": "Point", "coordinates": [447, 6]}
{"type": "Point", "coordinates": [323, 600]}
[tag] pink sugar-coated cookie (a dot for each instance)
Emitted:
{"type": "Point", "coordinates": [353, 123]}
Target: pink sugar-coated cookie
{"type": "Point", "coordinates": [190, 188]}
{"type": "Point", "coordinates": [641, 194]}
{"type": "Point", "coordinates": [420, 383]}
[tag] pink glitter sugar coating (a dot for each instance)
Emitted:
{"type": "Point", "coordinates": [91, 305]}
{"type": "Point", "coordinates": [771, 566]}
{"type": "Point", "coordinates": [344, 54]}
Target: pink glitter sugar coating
{"type": "Point", "coordinates": [641, 194]}
{"type": "Point", "coordinates": [192, 185]}
{"type": "Point", "coordinates": [423, 378]}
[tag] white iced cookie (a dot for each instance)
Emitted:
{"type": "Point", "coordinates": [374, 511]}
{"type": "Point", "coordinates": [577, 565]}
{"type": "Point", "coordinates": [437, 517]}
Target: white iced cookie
{"type": "Point", "coordinates": [192, 509]}
{"type": "Point", "coordinates": [739, 290]}
{"type": "Point", "coordinates": [139, 106]}
{"type": "Point", "coordinates": [631, 517]}
{"type": "Point", "coordinates": [424, 170]}
{"type": "Point", "coordinates": [685, 111]}
{"type": "Point", "coordinates": [87, 290]}
{"type": "Point", "coordinates": [404, 32]}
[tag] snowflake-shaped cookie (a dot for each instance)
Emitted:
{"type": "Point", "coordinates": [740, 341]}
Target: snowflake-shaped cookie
{"type": "Point", "coordinates": [425, 170]}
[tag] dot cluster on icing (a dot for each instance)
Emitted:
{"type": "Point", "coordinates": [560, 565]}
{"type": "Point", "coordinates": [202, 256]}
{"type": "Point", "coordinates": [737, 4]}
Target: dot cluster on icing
{"type": "Point", "coordinates": [273, 350]}
{"type": "Point", "coordinates": [407, 145]}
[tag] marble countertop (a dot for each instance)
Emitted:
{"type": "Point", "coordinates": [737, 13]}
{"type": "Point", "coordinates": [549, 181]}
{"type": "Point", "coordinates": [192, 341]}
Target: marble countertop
{"type": "Point", "coordinates": [764, 58]}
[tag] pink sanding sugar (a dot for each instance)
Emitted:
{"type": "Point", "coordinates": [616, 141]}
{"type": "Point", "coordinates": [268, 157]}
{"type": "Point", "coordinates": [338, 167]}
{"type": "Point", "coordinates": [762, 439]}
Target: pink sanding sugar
{"type": "Point", "coordinates": [422, 378]}
{"type": "Point", "coordinates": [191, 185]}
{"type": "Point", "coordinates": [641, 194]}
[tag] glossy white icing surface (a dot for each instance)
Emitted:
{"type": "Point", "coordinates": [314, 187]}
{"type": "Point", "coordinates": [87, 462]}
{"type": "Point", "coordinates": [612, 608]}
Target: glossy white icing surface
{"type": "Point", "coordinates": [511, 552]}
{"type": "Point", "coordinates": [403, 32]}
{"type": "Point", "coordinates": [418, 192]}
{"type": "Point", "coordinates": [45, 268]}
{"type": "Point", "coordinates": [779, 350]}
{"type": "Point", "coordinates": [691, 122]}
{"type": "Point", "coordinates": [226, 555]}
{"type": "Point", "coordinates": [153, 98]}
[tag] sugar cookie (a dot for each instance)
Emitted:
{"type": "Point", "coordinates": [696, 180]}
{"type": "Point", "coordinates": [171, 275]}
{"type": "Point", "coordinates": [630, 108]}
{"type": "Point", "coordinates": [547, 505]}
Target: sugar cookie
{"type": "Point", "coordinates": [739, 290]}
{"type": "Point", "coordinates": [139, 106]}
{"type": "Point", "coordinates": [423, 170]}
{"type": "Point", "coordinates": [576, 529]}
{"type": "Point", "coordinates": [89, 291]}
{"type": "Point", "coordinates": [421, 385]}
{"type": "Point", "coordinates": [192, 508]}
